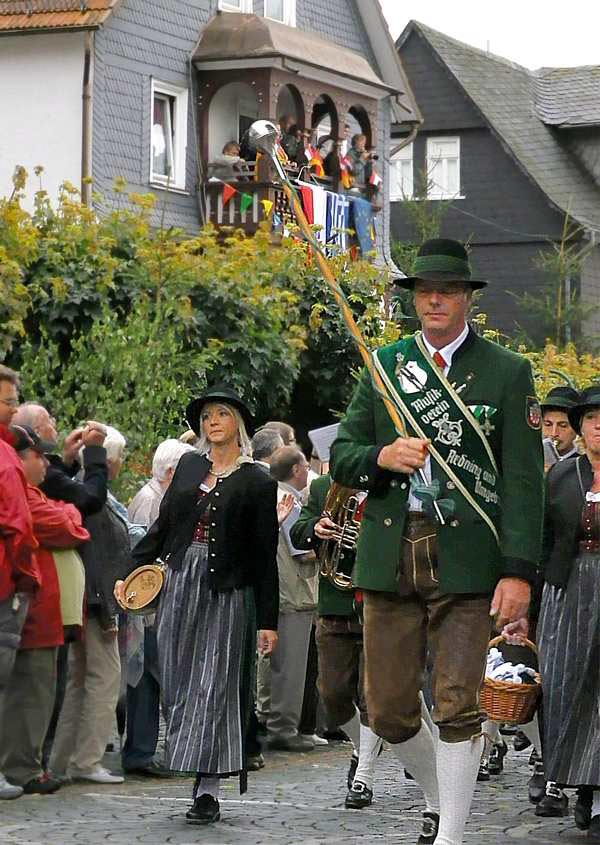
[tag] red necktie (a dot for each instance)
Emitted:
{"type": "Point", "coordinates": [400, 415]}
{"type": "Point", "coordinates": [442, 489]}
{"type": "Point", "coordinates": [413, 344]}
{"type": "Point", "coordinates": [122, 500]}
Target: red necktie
{"type": "Point", "coordinates": [439, 360]}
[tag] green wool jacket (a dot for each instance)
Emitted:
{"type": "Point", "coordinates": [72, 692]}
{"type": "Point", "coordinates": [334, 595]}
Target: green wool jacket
{"type": "Point", "coordinates": [469, 558]}
{"type": "Point", "coordinates": [332, 602]}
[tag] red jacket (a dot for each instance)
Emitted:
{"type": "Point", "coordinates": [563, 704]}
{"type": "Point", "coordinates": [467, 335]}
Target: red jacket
{"type": "Point", "coordinates": [18, 566]}
{"type": "Point", "coordinates": [56, 525]}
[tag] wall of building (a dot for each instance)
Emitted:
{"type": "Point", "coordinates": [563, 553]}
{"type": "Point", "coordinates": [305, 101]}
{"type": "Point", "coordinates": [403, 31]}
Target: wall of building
{"type": "Point", "coordinates": [40, 100]}
{"type": "Point", "coordinates": [590, 295]}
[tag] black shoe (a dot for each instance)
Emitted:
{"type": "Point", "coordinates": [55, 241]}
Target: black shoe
{"type": "Point", "coordinates": [520, 741]}
{"type": "Point", "coordinates": [42, 785]}
{"type": "Point", "coordinates": [352, 769]}
{"type": "Point", "coordinates": [150, 770]}
{"type": "Point", "coordinates": [537, 784]}
{"type": "Point", "coordinates": [293, 743]}
{"type": "Point", "coordinates": [484, 771]}
{"type": "Point", "coordinates": [583, 807]}
{"type": "Point", "coordinates": [358, 796]}
{"type": "Point", "coordinates": [554, 804]}
{"type": "Point", "coordinates": [429, 831]}
{"type": "Point", "coordinates": [254, 762]}
{"type": "Point", "coordinates": [534, 758]}
{"type": "Point", "coordinates": [408, 775]}
{"type": "Point", "coordinates": [496, 761]}
{"type": "Point", "coordinates": [594, 830]}
{"type": "Point", "coordinates": [205, 810]}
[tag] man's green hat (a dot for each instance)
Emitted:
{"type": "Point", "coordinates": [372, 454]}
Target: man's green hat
{"type": "Point", "coordinates": [588, 398]}
{"type": "Point", "coordinates": [442, 260]}
{"type": "Point", "coordinates": [562, 398]}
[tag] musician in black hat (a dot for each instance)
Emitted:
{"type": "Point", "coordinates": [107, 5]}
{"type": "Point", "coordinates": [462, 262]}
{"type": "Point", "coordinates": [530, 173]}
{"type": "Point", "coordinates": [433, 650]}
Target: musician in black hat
{"type": "Point", "coordinates": [559, 435]}
{"type": "Point", "coordinates": [217, 532]}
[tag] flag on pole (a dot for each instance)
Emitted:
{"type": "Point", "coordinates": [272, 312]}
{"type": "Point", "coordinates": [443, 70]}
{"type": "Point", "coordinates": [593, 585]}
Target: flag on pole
{"type": "Point", "coordinates": [375, 179]}
{"type": "Point", "coordinates": [228, 192]}
{"type": "Point", "coordinates": [267, 206]}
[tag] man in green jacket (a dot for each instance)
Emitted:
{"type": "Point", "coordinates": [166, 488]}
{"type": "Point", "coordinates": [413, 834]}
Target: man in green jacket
{"type": "Point", "coordinates": [452, 528]}
{"type": "Point", "coordinates": [340, 648]}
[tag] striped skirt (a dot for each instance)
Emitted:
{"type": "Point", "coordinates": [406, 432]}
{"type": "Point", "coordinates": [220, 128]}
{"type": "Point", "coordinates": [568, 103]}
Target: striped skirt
{"type": "Point", "coordinates": [569, 643]}
{"type": "Point", "coordinates": [202, 637]}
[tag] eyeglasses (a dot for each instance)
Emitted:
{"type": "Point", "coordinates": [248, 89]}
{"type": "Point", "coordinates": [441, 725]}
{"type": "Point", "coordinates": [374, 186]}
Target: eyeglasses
{"type": "Point", "coordinates": [12, 403]}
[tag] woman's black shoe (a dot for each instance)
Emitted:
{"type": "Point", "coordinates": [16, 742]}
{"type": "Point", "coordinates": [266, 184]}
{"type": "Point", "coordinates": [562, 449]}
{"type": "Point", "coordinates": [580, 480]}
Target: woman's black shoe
{"type": "Point", "coordinates": [554, 804]}
{"type": "Point", "coordinates": [205, 810]}
{"type": "Point", "coordinates": [520, 741]}
{"type": "Point", "coordinates": [594, 830]}
{"type": "Point", "coordinates": [537, 784]}
{"type": "Point", "coordinates": [429, 831]}
{"type": "Point", "coordinates": [583, 807]}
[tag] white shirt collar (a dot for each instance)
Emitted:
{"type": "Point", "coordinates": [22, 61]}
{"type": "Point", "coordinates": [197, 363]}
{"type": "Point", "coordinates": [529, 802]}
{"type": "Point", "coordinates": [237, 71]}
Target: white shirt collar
{"type": "Point", "coordinates": [448, 351]}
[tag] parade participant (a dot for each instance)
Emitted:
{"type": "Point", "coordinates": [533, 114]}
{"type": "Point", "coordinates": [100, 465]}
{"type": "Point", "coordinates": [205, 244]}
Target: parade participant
{"type": "Point", "coordinates": [217, 532]}
{"type": "Point", "coordinates": [569, 625]}
{"type": "Point", "coordinates": [556, 428]}
{"type": "Point", "coordinates": [453, 518]}
{"type": "Point", "coordinates": [340, 649]}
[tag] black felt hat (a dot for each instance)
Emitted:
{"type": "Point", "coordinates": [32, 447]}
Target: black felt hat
{"type": "Point", "coordinates": [217, 393]}
{"type": "Point", "coordinates": [588, 398]}
{"type": "Point", "coordinates": [441, 260]}
{"type": "Point", "coordinates": [562, 398]}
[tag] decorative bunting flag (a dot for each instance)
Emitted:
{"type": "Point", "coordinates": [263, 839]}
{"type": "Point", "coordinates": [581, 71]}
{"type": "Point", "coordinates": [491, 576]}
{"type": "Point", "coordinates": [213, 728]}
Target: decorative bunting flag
{"type": "Point", "coordinates": [228, 192]}
{"type": "Point", "coordinates": [268, 207]}
{"type": "Point", "coordinates": [245, 202]}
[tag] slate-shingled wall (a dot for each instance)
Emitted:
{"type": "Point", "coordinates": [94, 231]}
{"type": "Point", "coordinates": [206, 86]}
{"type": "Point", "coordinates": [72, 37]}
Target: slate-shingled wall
{"type": "Point", "coordinates": [155, 38]}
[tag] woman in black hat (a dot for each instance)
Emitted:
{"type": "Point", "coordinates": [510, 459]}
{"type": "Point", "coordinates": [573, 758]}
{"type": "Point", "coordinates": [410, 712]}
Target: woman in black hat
{"type": "Point", "coordinates": [569, 625]}
{"type": "Point", "coordinates": [217, 531]}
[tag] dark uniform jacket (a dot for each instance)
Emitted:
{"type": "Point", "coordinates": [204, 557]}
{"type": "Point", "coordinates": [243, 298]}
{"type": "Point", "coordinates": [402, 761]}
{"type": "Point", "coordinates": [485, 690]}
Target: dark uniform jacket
{"type": "Point", "coordinates": [332, 601]}
{"type": "Point", "coordinates": [243, 531]}
{"type": "Point", "coordinates": [562, 517]}
{"type": "Point", "coordinates": [469, 558]}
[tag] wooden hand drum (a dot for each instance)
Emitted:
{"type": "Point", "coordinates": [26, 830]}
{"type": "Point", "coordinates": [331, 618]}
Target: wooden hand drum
{"type": "Point", "coordinates": [142, 589]}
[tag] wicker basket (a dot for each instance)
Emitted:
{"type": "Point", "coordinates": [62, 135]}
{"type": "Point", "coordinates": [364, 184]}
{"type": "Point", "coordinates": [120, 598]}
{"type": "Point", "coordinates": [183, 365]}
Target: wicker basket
{"type": "Point", "coordinates": [512, 704]}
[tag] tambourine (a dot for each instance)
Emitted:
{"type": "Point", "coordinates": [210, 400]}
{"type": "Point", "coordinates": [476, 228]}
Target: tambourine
{"type": "Point", "coordinates": [142, 589]}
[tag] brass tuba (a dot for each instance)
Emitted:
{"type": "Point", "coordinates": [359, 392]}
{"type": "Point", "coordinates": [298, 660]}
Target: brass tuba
{"type": "Point", "coordinates": [341, 506]}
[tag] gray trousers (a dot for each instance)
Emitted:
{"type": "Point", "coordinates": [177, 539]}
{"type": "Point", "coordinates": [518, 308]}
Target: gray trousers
{"type": "Point", "coordinates": [25, 713]}
{"type": "Point", "coordinates": [288, 672]}
{"type": "Point", "coordinates": [88, 711]}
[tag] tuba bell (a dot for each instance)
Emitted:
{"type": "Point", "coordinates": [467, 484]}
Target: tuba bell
{"type": "Point", "coordinates": [341, 506]}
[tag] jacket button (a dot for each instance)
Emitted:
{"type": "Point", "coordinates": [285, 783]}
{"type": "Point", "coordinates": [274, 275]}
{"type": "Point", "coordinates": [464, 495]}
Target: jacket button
{"type": "Point", "coordinates": [404, 485]}
{"type": "Point", "coordinates": [455, 523]}
{"type": "Point", "coordinates": [212, 570]}
{"type": "Point", "coordinates": [393, 483]}
{"type": "Point", "coordinates": [451, 485]}
{"type": "Point", "coordinates": [213, 525]}
{"type": "Point", "coordinates": [213, 554]}
{"type": "Point", "coordinates": [213, 539]}
{"type": "Point", "coordinates": [216, 494]}
{"type": "Point", "coordinates": [387, 522]}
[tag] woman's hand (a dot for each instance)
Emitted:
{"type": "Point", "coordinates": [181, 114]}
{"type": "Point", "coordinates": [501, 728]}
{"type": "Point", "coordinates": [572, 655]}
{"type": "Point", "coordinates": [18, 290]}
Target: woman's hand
{"type": "Point", "coordinates": [267, 640]}
{"type": "Point", "coordinates": [119, 592]}
{"type": "Point", "coordinates": [515, 632]}
{"type": "Point", "coordinates": [284, 507]}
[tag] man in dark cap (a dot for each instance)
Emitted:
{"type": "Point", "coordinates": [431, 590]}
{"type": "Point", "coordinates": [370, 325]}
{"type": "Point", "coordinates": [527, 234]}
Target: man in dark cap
{"type": "Point", "coordinates": [452, 527]}
{"type": "Point", "coordinates": [559, 436]}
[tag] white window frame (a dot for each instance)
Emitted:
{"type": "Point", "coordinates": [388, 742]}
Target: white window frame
{"type": "Point", "coordinates": [289, 13]}
{"type": "Point", "coordinates": [243, 6]}
{"type": "Point", "coordinates": [176, 179]}
{"type": "Point", "coordinates": [437, 179]}
{"type": "Point", "coordinates": [405, 182]}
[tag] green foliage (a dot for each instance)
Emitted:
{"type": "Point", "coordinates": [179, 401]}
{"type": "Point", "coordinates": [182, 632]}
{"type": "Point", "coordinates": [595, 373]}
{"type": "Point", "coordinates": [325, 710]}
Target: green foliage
{"type": "Point", "coordinates": [119, 321]}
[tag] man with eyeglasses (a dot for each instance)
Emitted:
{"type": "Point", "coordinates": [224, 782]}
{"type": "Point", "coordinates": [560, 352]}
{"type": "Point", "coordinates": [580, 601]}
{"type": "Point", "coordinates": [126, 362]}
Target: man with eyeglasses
{"type": "Point", "coordinates": [450, 535]}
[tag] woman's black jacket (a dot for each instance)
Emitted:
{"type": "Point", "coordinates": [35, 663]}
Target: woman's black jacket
{"type": "Point", "coordinates": [243, 531]}
{"type": "Point", "coordinates": [562, 516]}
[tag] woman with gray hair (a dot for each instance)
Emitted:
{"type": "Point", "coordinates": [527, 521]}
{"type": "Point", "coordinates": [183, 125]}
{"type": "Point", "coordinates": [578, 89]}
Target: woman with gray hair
{"type": "Point", "coordinates": [217, 531]}
{"type": "Point", "coordinates": [145, 505]}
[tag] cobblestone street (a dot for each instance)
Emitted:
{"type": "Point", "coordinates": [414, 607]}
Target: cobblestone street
{"type": "Point", "coordinates": [295, 799]}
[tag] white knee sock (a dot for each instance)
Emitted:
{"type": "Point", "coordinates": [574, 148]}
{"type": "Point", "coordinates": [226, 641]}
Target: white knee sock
{"type": "Point", "coordinates": [208, 786]}
{"type": "Point", "coordinates": [427, 718]}
{"type": "Point", "coordinates": [491, 735]}
{"type": "Point", "coordinates": [370, 744]}
{"type": "Point", "coordinates": [596, 803]}
{"type": "Point", "coordinates": [418, 756]}
{"type": "Point", "coordinates": [352, 728]}
{"type": "Point", "coordinates": [457, 766]}
{"type": "Point", "coordinates": [532, 732]}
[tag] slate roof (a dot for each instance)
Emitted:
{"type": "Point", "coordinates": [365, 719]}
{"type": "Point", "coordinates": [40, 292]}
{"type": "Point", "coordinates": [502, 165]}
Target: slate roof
{"type": "Point", "coordinates": [36, 15]}
{"type": "Point", "coordinates": [568, 96]}
{"type": "Point", "coordinates": [505, 95]}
